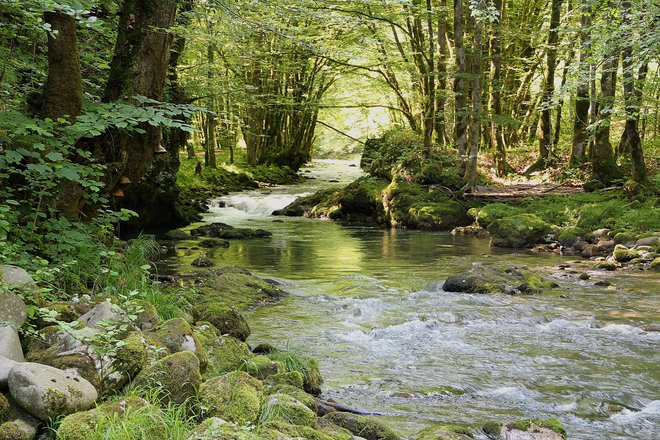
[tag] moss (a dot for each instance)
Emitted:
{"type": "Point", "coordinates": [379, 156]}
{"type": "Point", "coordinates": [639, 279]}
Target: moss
{"type": "Point", "coordinates": [235, 397]}
{"type": "Point", "coordinates": [486, 278]}
{"type": "Point", "coordinates": [333, 430]}
{"type": "Point", "coordinates": [242, 291]}
{"type": "Point", "coordinates": [225, 318]}
{"type": "Point", "coordinates": [623, 255]}
{"type": "Point", "coordinates": [288, 409]}
{"type": "Point", "coordinates": [148, 317]}
{"type": "Point", "coordinates": [11, 431]}
{"type": "Point", "coordinates": [177, 335]}
{"type": "Point", "coordinates": [552, 424]}
{"type": "Point", "coordinates": [520, 425]}
{"type": "Point", "coordinates": [177, 234]}
{"type": "Point", "coordinates": [291, 378]}
{"type": "Point", "coordinates": [227, 354]}
{"type": "Point", "coordinates": [215, 428]}
{"type": "Point", "coordinates": [623, 238]}
{"type": "Point", "coordinates": [487, 214]}
{"type": "Point", "coordinates": [362, 426]}
{"type": "Point", "coordinates": [261, 367]}
{"type": "Point", "coordinates": [306, 365]}
{"type": "Point", "coordinates": [132, 355]}
{"type": "Point", "coordinates": [4, 407]}
{"type": "Point", "coordinates": [307, 399]}
{"type": "Point", "coordinates": [446, 432]}
{"type": "Point", "coordinates": [655, 264]}
{"type": "Point", "coordinates": [176, 377]}
{"type": "Point", "coordinates": [492, 429]}
{"type": "Point", "coordinates": [518, 231]}
{"type": "Point", "coordinates": [606, 265]}
{"type": "Point", "coordinates": [296, 431]}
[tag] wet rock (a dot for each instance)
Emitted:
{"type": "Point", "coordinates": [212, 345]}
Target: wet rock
{"type": "Point", "coordinates": [367, 427]}
{"type": "Point", "coordinates": [214, 243]}
{"type": "Point", "coordinates": [177, 234]}
{"type": "Point", "coordinates": [14, 276]}
{"type": "Point", "coordinates": [46, 392]}
{"type": "Point", "coordinates": [602, 283]}
{"type": "Point", "coordinates": [223, 230]}
{"type": "Point", "coordinates": [606, 265]}
{"type": "Point", "coordinates": [655, 264]}
{"type": "Point", "coordinates": [605, 246]}
{"type": "Point", "coordinates": [648, 241]}
{"type": "Point", "coordinates": [235, 397]}
{"type": "Point", "coordinates": [622, 254]}
{"type": "Point", "coordinates": [580, 245]}
{"type": "Point", "coordinates": [447, 432]}
{"type": "Point", "coordinates": [12, 309]}
{"type": "Point", "coordinates": [176, 377]}
{"type": "Point", "coordinates": [584, 276]}
{"type": "Point", "coordinates": [203, 262]}
{"type": "Point", "coordinates": [537, 429]}
{"type": "Point", "coordinates": [10, 344]}
{"type": "Point", "coordinates": [486, 278]}
{"type": "Point", "coordinates": [518, 231]}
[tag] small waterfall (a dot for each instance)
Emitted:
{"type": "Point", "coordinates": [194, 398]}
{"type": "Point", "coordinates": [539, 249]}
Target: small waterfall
{"type": "Point", "coordinates": [258, 204]}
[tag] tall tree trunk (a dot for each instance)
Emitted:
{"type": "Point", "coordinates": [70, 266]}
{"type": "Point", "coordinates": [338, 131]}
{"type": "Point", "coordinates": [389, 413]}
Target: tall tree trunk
{"type": "Point", "coordinates": [460, 83]}
{"type": "Point", "coordinates": [441, 100]}
{"type": "Point", "coordinates": [630, 141]}
{"type": "Point", "coordinates": [63, 96]}
{"type": "Point", "coordinates": [139, 67]}
{"type": "Point", "coordinates": [545, 143]}
{"type": "Point", "coordinates": [582, 101]}
{"type": "Point", "coordinates": [604, 166]}
{"type": "Point", "coordinates": [209, 138]}
{"type": "Point", "coordinates": [475, 120]}
{"type": "Point", "coordinates": [496, 135]}
{"type": "Point", "coordinates": [429, 116]}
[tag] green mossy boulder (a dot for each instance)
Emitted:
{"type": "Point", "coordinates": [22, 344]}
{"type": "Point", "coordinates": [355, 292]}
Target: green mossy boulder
{"type": "Point", "coordinates": [262, 367]}
{"type": "Point", "coordinates": [132, 355]}
{"type": "Point", "coordinates": [228, 354]}
{"type": "Point", "coordinates": [307, 399]}
{"type": "Point", "coordinates": [273, 429]}
{"type": "Point", "coordinates": [624, 238]}
{"type": "Point", "coordinates": [84, 425]}
{"type": "Point", "coordinates": [487, 278]}
{"type": "Point", "coordinates": [518, 231]}
{"type": "Point", "coordinates": [225, 318]}
{"type": "Point", "coordinates": [606, 265]}
{"type": "Point", "coordinates": [546, 429]}
{"type": "Point", "coordinates": [290, 378]}
{"type": "Point", "coordinates": [623, 255]}
{"type": "Point", "coordinates": [213, 243]}
{"type": "Point", "coordinates": [362, 426]}
{"type": "Point", "coordinates": [285, 408]}
{"type": "Point", "coordinates": [305, 206]}
{"type": "Point", "coordinates": [234, 397]}
{"type": "Point", "coordinates": [4, 407]}
{"type": "Point", "coordinates": [148, 316]}
{"type": "Point", "coordinates": [11, 431]}
{"type": "Point", "coordinates": [486, 215]}
{"type": "Point", "coordinates": [308, 366]}
{"type": "Point", "coordinates": [224, 231]}
{"type": "Point", "coordinates": [447, 432]}
{"type": "Point", "coordinates": [215, 428]}
{"type": "Point", "coordinates": [177, 335]}
{"type": "Point", "coordinates": [238, 288]}
{"type": "Point", "coordinates": [177, 234]}
{"type": "Point", "coordinates": [176, 377]}
{"type": "Point", "coordinates": [655, 264]}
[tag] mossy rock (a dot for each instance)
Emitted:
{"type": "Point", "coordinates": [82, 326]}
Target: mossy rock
{"type": "Point", "coordinates": [176, 377]}
{"type": "Point", "coordinates": [308, 366]}
{"type": "Point", "coordinates": [492, 429]}
{"type": "Point", "coordinates": [262, 367]}
{"type": "Point", "coordinates": [606, 265]}
{"type": "Point", "coordinates": [238, 288]}
{"type": "Point", "coordinates": [228, 354]}
{"type": "Point", "coordinates": [216, 428]}
{"type": "Point", "coordinates": [79, 360]}
{"type": "Point", "coordinates": [552, 428]}
{"type": "Point", "coordinates": [568, 236]}
{"type": "Point", "coordinates": [285, 408]}
{"type": "Point", "coordinates": [307, 399]}
{"type": "Point", "coordinates": [214, 243]}
{"type": "Point", "coordinates": [4, 407]}
{"type": "Point", "coordinates": [446, 432]}
{"type": "Point", "coordinates": [11, 431]}
{"type": "Point", "coordinates": [292, 378]}
{"type": "Point", "coordinates": [148, 318]}
{"type": "Point", "coordinates": [132, 355]}
{"type": "Point", "coordinates": [518, 231]}
{"type": "Point", "coordinates": [225, 318]}
{"type": "Point", "coordinates": [235, 397]}
{"type": "Point", "coordinates": [486, 215]}
{"type": "Point", "coordinates": [624, 237]}
{"type": "Point", "coordinates": [269, 431]}
{"type": "Point", "coordinates": [333, 430]}
{"type": "Point", "coordinates": [84, 425]}
{"type": "Point", "coordinates": [362, 426]}
{"type": "Point", "coordinates": [177, 335]}
{"type": "Point", "coordinates": [655, 264]}
{"type": "Point", "coordinates": [177, 234]}
{"type": "Point", "coordinates": [224, 231]}
{"type": "Point", "coordinates": [623, 255]}
{"type": "Point", "coordinates": [486, 278]}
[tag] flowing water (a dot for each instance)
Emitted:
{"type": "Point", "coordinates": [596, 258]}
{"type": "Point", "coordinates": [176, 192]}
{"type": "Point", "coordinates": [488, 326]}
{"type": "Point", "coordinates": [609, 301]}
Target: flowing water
{"type": "Point", "coordinates": [369, 304]}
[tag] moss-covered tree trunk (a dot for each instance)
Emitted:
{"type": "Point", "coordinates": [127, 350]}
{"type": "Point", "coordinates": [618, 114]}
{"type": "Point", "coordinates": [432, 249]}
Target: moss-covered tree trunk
{"type": "Point", "coordinates": [139, 67]}
{"type": "Point", "coordinates": [475, 117]}
{"type": "Point", "coordinates": [582, 101]}
{"type": "Point", "coordinates": [63, 96]}
{"type": "Point", "coordinates": [604, 167]}
{"type": "Point", "coordinates": [460, 83]}
{"type": "Point", "coordinates": [496, 135]}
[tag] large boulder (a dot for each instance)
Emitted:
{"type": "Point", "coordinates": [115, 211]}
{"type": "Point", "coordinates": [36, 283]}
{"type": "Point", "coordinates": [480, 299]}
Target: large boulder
{"type": "Point", "coordinates": [216, 428]}
{"type": "Point", "coordinates": [176, 377]}
{"type": "Point", "coordinates": [10, 343]}
{"type": "Point", "coordinates": [14, 276]}
{"type": "Point", "coordinates": [6, 365]}
{"type": "Point", "coordinates": [18, 424]}
{"type": "Point", "coordinates": [234, 397]}
{"type": "Point", "coordinates": [225, 318]}
{"type": "Point", "coordinates": [623, 255]}
{"type": "Point", "coordinates": [285, 408]}
{"type": "Point", "coordinates": [47, 392]}
{"type": "Point", "coordinates": [446, 432]}
{"type": "Point", "coordinates": [518, 231]}
{"type": "Point", "coordinates": [367, 427]}
{"type": "Point", "coordinates": [486, 278]}
{"type": "Point", "coordinates": [177, 335]}
{"type": "Point", "coordinates": [103, 314]}
{"type": "Point", "coordinates": [225, 353]}
{"type": "Point", "coordinates": [223, 230]}
{"type": "Point", "coordinates": [12, 309]}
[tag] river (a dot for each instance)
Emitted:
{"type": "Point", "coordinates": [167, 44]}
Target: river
{"type": "Point", "coordinates": [368, 304]}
